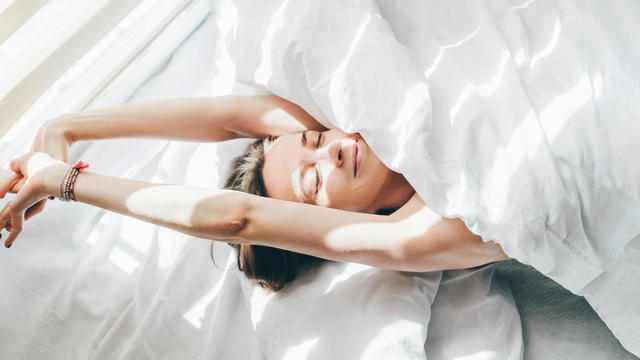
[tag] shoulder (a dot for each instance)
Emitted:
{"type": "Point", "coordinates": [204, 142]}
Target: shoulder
{"type": "Point", "coordinates": [412, 208]}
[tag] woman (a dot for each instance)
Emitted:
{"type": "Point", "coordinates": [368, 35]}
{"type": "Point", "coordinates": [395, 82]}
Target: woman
{"type": "Point", "coordinates": [306, 165]}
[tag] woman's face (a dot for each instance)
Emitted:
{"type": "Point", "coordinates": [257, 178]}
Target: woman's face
{"type": "Point", "coordinates": [330, 168]}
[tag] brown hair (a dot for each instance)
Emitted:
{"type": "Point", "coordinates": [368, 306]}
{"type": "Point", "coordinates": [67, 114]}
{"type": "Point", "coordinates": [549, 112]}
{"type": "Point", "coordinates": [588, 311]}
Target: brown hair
{"type": "Point", "coordinates": [273, 268]}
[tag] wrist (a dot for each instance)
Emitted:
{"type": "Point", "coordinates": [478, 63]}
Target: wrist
{"type": "Point", "coordinates": [53, 177]}
{"type": "Point", "coordinates": [64, 128]}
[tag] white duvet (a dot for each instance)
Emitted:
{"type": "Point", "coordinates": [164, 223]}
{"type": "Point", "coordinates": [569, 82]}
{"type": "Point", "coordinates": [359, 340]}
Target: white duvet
{"type": "Point", "coordinates": [520, 117]}
{"type": "Point", "coordinates": [113, 287]}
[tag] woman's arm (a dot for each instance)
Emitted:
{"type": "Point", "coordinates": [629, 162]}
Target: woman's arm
{"type": "Point", "coordinates": [198, 119]}
{"type": "Point", "coordinates": [203, 119]}
{"type": "Point", "coordinates": [201, 212]}
{"type": "Point", "coordinates": [414, 239]}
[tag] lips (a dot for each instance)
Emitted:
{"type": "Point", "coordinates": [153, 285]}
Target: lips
{"type": "Point", "coordinates": [355, 158]}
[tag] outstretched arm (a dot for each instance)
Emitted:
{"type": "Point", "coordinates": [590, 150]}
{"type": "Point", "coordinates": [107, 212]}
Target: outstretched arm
{"type": "Point", "coordinates": [413, 239]}
{"type": "Point", "coordinates": [199, 119]}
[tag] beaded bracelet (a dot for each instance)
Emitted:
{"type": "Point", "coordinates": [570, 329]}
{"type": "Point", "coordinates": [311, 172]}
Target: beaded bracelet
{"type": "Point", "coordinates": [68, 182]}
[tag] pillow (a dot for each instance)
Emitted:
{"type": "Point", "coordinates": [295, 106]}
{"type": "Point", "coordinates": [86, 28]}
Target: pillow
{"type": "Point", "coordinates": [318, 55]}
{"type": "Point", "coordinates": [344, 311]}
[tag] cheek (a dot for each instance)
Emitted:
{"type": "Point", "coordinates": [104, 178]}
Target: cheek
{"type": "Point", "coordinates": [377, 167]}
{"type": "Point", "coordinates": [333, 190]}
{"type": "Point", "coordinates": [371, 185]}
{"type": "Point", "coordinates": [378, 174]}
{"type": "Point", "coordinates": [341, 194]}
{"type": "Point", "coordinates": [337, 193]}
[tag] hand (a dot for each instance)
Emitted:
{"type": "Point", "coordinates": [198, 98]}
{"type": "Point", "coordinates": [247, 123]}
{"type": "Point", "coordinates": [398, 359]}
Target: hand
{"type": "Point", "coordinates": [9, 179]}
{"type": "Point", "coordinates": [53, 140]}
{"type": "Point", "coordinates": [29, 170]}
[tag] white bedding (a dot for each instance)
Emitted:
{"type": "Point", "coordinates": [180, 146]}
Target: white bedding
{"type": "Point", "coordinates": [518, 116]}
{"type": "Point", "coordinates": [84, 283]}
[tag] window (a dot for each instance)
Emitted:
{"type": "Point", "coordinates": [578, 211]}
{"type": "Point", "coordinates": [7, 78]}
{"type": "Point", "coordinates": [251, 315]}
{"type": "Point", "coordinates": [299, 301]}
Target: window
{"type": "Point", "coordinates": [58, 56]}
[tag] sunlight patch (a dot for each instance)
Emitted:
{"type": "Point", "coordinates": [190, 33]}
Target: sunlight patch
{"type": "Point", "coordinates": [301, 350]}
{"type": "Point", "coordinates": [483, 90]}
{"type": "Point", "coordinates": [559, 111]}
{"type": "Point", "coordinates": [550, 46]}
{"type": "Point", "coordinates": [434, 66]}
{"type": "Point", "coordinates": [137, 233]}
{"type": "Point", "coordinates": [195, 315]}
{"type": "Point", "coordinates": [123, 260]}
{"type": "Point", "coordinates": [481, 355]}
{"type": "Point", "coordinates": [350, 270]}
{"type": "Point", "coordinates": [263, 73]}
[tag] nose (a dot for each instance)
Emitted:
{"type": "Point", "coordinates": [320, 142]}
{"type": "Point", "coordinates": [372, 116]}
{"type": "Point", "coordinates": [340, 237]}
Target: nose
{"type": "Point", "coordinates": [335, 153]}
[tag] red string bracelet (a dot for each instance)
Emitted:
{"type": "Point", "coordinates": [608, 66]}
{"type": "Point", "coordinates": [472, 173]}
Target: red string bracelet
{"type": "Point", "coordinates": [68, 182]}
{"type": "Point", "coordinates": [80, 165]}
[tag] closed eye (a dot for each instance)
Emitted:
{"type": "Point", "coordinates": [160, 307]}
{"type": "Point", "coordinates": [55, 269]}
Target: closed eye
{"type": "Point", "coordinates": [317, 180]}
{"type": "Point", "coordinates": [318, 140]}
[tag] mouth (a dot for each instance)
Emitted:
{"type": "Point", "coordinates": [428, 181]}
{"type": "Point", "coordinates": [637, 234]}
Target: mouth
{"type": "Point", "coordinates": [357, 157]}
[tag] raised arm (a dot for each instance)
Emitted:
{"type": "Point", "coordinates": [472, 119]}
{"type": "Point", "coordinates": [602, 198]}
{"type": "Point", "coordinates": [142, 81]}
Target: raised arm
{"type": "Point", "coordinates": [413, 239]}
{"type": "Point", "coordinates": [198, 119]}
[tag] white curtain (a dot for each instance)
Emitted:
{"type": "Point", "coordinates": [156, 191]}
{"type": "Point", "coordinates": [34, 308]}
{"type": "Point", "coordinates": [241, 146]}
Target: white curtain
{"type": "Point", "coordinates": [62, 56]}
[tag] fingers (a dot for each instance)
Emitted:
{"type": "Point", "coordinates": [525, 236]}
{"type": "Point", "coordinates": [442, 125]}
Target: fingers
{"type": "Point", "coordinates": [34, 209]}
{"type": "Point", "coordinates": [9, 184]}
{"type": "Point", "coordinates": [15, 165]}
{"type": "Point", "coordinates": [12, 216]}
{"type": "Point", "coordinates": [4, 217]}
{"type": "Point", "coordinates": [16, 228]}
{"type": "Point", "coordinates": [18, 186]}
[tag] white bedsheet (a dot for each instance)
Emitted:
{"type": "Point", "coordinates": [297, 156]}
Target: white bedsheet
{"type": "Point", "coordinates": [84, 283]}
{"type": "Point", "coordinates": [520, 117]}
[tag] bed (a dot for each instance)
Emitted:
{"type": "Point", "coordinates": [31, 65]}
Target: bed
{"type": "Point", "coordinates": [85, 283]}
